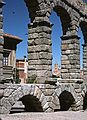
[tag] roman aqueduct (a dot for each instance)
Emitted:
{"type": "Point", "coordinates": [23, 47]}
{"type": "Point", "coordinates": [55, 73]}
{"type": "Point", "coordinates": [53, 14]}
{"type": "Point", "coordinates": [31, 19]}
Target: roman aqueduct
{"type": "Point", "coordinates": [69, 93]}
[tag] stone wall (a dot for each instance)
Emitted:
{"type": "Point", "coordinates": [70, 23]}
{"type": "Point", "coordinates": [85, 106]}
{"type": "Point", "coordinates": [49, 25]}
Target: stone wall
{"type": "Point", "coordinates": [83, 26]}
{"type": "Point", "coordinates": [47, 95]}
{"type": "Point", "coordinates": [39, 51]}
{"type": "Point", "coordinates": [70, 67]}
{"type": "Point", "coordinates": [1, 41]}
{"type": "Point", "coordinates": [85, 61]}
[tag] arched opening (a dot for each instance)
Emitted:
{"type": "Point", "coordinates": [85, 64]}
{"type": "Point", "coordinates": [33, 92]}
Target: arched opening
{"type": "Point", "coordinates": [32, 104]}
{"type": "Point", "coordinates": [59, 28]}
{"type": "Point", "coordinates": [27, 103]}
{"type": "Point", "coordinates": [85, 102]}
{"type": "Point", "coordinates": [81, 51]}
{"type": "Point", "coordinates": [56, 40]}
{"type": "Point", "coordinates": [66, 100]}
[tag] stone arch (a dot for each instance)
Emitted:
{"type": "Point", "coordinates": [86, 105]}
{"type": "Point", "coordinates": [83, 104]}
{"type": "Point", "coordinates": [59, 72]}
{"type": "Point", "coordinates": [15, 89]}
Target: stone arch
{"type": "Point", "coordinates": [83, 26]}
{"type": "Point", "coordinates": [68, 88]}
{"type": "Point", "coordinates": [70, 91]}
{"type": "Point", "coordinates": [38, 9]}
{"type": "Point", "coordinates": [60, 11]}
{"type": "Point", "coordinates": [70, 23]}
{"type": "Point", "coordinates": [31, 103]}
{"type": "Point", "coordinates": [22, 92]}
{"type": "Point", "coordinates": [33, 7]}
{"type": "Point", "coordinates": [40, 30]}
{"type": "Point", "coordinates": [66, 101]}
{"type": "Point", "coordinates": [65, 22]}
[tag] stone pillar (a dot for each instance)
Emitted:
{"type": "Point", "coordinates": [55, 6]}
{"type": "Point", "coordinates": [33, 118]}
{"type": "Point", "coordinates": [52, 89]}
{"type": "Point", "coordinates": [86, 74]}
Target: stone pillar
{"type": "Point", "coordinates": [70, 64]}
{"type": "Point", "coordinates": [39, 51]}
{"type": "Point", "coordinates": [85, 61]}
{"type": "Point", "coordinates": [1, 42]}
{"type": "Point", "coordinates": [78, 94]}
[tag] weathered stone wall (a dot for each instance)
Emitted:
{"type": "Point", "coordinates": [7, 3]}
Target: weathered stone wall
{"type": "Point", "coordinates": [48, 95]}
{"type": "Point", "coordinates": [13, 93]}
{"type": "Point", "coordinates": [70, 66]}
{"type": "Point", "coordinates": [40, 54]}
{"type": "Point", "coordinates": [1, 41]}
{"type": "Point", "coordinates": [85, 61]}
{"type": "Point", "coordinates": [83, 26]}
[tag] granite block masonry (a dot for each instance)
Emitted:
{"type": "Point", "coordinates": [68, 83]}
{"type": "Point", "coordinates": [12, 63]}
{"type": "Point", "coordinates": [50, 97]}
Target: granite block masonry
{"type": "Point", "coordinates": [39, 43]}
{"type": "Point", "coordinates": [1, 41]}
{"type": "Point", "coordinates": [70, 92]}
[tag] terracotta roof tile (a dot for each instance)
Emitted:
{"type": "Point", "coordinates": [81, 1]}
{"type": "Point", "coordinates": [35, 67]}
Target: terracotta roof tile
{"type": "Point", "coordinates": [12, 36]}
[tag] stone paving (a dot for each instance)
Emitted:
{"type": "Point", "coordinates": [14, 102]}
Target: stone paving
{"type": "Point", "coordinates": [47, 116]}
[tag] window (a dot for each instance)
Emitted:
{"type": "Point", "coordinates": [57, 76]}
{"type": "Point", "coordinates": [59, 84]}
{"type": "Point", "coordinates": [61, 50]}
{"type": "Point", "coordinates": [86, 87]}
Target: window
{"type": "Point", "coordinates": [5, 58]}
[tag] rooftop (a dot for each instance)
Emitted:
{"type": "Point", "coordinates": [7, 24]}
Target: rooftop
{"type": "Point", "coordinates": [12, 36]}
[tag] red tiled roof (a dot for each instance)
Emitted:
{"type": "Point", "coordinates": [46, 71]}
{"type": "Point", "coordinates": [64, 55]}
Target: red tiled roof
{"type": "Point", "coordinates": [12, 36]}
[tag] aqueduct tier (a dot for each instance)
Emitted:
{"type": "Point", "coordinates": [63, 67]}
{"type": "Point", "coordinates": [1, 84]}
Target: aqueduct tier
{"type": "Point", "coordinates": [43, 97]}
{"type": "Point", "coordinates": [40, 28]}
{"type": "Point", "coordinates": [39, 44]}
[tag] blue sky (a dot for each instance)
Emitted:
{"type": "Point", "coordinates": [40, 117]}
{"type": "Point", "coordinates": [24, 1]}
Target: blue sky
{"type": "Point", "coordinates": [15, 22]}
{"type": "Point", "coordinates": [16, 18]}
{"type": "Point", "coordinates": [56, 40]}
{"type": "Point", "coordinates": [85, 0]}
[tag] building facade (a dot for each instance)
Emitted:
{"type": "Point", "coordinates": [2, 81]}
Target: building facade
{"type": "Point", "coordinates": [56, 71]}
{"type": "Point", "coordinates": [9, 56]}
{"type": "Point", "coordinates": [22, 66]}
